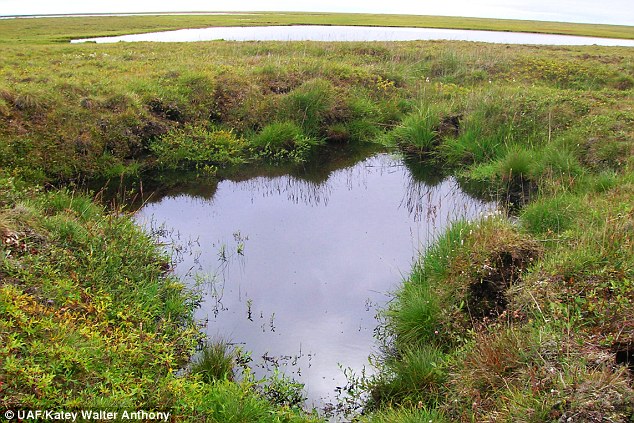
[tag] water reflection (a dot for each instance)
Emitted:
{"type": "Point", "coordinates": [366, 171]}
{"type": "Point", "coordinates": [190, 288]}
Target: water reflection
{"type": "Point", "coordinates": [295, 190]}
{"type": "Point", "coordinates": [294, 269]}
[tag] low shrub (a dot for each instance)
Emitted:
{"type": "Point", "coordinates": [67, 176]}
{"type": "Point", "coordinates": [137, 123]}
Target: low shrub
{"type": "Point", "coordinates": [194, 147]}
{"type": "Point", "coordinates": [283, 141]}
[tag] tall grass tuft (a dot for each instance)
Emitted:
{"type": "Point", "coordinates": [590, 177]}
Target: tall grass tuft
{"type": "Point", "coordinates": [475, 143]}
{"type": "Point", "coordinates": [278, 136]}
{"type": "Point", "coordinates": [308, 105]}
{"type": "Point", "coordinates": [517, 164]}
{"type": "Point", "coordinates": [417, 134]}
{"type": "Point", "coordinates": [216, 361]}
{"type": "Point", "coordinates": [556, 160]}
{"type": "Point", "coordinates": [414, 376]}
{"type": "Point", "coordinates": [551, 215]}
{"type": "Point", "coordinates": [414, 319]}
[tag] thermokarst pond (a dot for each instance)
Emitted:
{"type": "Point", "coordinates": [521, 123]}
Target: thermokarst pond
{"type": "Point", "coordinates": [294, 267]}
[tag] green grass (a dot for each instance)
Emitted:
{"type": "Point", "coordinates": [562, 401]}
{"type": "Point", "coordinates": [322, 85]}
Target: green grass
{"type": "Point", "coordinates": [309, 104]}
{"type": "Point", "coordinates": [202, 107]}
{"type": "Point", "coordinates": [551, 215]}
{"type": "Point", "coordinates": [414, 376]}
{"type": "Point", "coordinates": [520, 319]}
{"type": "Point", "coordinates": [415, 315]}
{"type": "Point", "coordinates": [407, 415]}
{"type": "Point", "coordinates": [284, 141]}
{"type": "Point", "coordinates": [197, 147]}
{"type": "Point", "coordinates": [215, 361]}
{"type": "Point", "coordinates": [417, 134]}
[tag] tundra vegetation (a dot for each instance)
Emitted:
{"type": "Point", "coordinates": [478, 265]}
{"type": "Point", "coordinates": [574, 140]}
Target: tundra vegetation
{"type": "Point", "coordinates": [527, 315]}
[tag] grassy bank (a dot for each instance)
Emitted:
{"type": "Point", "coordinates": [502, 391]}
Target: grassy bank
{"type": "Point", "coordinates": [499, 321]}
{"type": "Point", "coordinates": [71, 112]}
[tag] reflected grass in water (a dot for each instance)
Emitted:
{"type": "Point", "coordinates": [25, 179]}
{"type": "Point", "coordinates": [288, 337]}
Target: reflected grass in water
{"type": "Point", "coordinates": [317, 254]}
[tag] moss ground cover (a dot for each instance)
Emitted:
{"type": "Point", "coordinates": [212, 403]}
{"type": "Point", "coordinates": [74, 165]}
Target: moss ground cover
{"type": "Point", "coordinates": [520, 319]}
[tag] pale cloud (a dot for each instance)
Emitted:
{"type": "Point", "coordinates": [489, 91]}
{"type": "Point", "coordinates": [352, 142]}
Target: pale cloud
{"type": "Point", "coordinates": [591, 11]}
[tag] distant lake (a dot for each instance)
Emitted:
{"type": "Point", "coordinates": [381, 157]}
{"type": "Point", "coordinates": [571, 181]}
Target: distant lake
{"type": "Point", "coordinates": [356, 33]}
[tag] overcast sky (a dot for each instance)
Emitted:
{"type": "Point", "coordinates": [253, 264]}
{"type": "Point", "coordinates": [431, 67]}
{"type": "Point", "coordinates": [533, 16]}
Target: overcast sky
{"type": "Point", "coordinates": [591, 11]}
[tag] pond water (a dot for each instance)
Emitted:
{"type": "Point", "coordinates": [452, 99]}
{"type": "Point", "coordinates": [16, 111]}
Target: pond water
{"type": "Point", "coordinates": [295, 267]}
{"type": "Point", "coordinates": [356, 33]}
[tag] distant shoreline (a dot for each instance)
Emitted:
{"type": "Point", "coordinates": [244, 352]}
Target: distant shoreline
{"type": "Point", "coordinates": [97, 15]}
{"type": "Point", "coordinates": [114, 24]}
